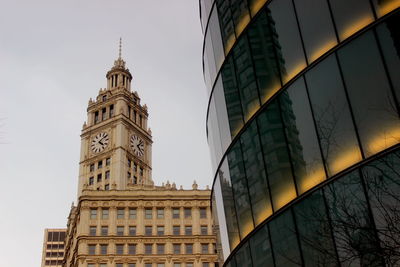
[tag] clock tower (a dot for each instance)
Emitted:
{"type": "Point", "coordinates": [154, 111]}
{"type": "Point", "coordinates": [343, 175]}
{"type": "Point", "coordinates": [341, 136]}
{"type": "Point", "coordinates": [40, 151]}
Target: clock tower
{"type": "Point", "coordinates": [115, 140]}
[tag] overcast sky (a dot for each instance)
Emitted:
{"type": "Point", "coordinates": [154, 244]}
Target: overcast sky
{"type": "Point", "coordinates": [54, 55]}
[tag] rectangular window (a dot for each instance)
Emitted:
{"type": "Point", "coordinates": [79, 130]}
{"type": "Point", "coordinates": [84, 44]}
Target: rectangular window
{"type": "Point", "coordinates": [160, 230]}
{"type": "Point", "coordinates": [129, 163]}
{"type": "Point", "coordinates": [141, 171]}
{"type": "Point", "coordinates": [206, 264]}
{"type": "Point", "coordinates": [120, 230]}
{"type": "Point", "coordinates": [160, 213]}
{"type": "Point", "coordinates": [175, 213]}
{"type": "Point", "coordinates": [129, 112]}
{"type": "Point", "coordinates": [131, 265]}
{"type": "Point", "coordinates": [90, 265]}
{"type": "Point", "coordinates": [119, 265]}
{"type": "Point", "coordinates": [104, 213]}
{"type": "Point", "coordinates": [134, 181]}
{"type": "Point", "coordinates": [120, 213]}
{"type": "Point", "coordinates": [108, 161]}
{"type": "Point", "coordinates": [96, 117]}
{"type": "Point", "coordinates": [189, 248]}
{"type": "Point", "coordinates": [91, 167]}
{"type": "Point", "coordinates": [128, 175]}
{"type": "Point", "coordinates": [188, 230]}
{"type": "Point", "coordinates": [100, 164]}
{"type": "Point", "coordinates": [148, 213]}
{"type": "Point", "coordinates": [140, 120]}
{"type": "Point", "coordinates": [120, 249]}
{"type": "Point", "coordinates": [160, 265]}
{"type": "Point", "coordinates": [107, 174]}
{"type": "Point", "coordinates": [103, 114]}
{"type": "Point", "coordinates": [204, 230]}
{"type": "Point", "coordinates": [177, 264]}
{"type": "Point", "coordinates": [91, 249]}
{"type": "Point", "coordinates": [204, 248]}
{"type": "Point", "coordinates": [103, 249]}
{"type": "Point", "coordinates": [111, 110]}
{"type": "Point", "coordinates": [203, 213]}
{"type": "Point", "coordinates": [148, 248]}
{"type": "Point", "coordinates": [148, 265]}
{"type": "Point", "coordinates": [99, 177]}
{"type": "Point", "coordinates": [134, 115]}
{"type": "Point", "coordinates": [134, 167]}
{"type": "Point", "coordinates": [176, 229]}
{"type": "Point", "coordinates": [177, 248]}
{"type": "Point", "coordinates": [93, 213]}
{"type": "Point", "coordinates": [104, 98]}
{"type": "Point", "coordinates": [92, 230]}
{"type": "Point", "coordinates": [91, 180]}
{"type": "Point", "coordinates": [188, 212]}
{"type": "Point", "coordinates": [132, 230]}
{"type": "Point", "coordinates": [104, 230]}
{"type": "Point", "coordinates": [107, 187]}
{"type": "Point", "coordinates": [148, 230]}
{"type": "Point", "coordinates": [103, 265]}
{"type": "Point", "coordinates": [131, 249]}
{"type": "Point", "coordinates": [132, 213]}
{"type": "Point", "coordinates": [189, 264]}
{"type": "Point", "coordinates": [160, 248]}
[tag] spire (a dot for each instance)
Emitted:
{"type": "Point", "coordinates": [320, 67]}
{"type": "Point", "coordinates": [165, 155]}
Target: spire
{"type": "Point", "coordinates": [120, 48]}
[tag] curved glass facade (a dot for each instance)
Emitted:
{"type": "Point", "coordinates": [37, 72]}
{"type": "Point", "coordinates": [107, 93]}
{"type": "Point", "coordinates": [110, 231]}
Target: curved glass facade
{"type": "Point", "coordinates": [303, 128]}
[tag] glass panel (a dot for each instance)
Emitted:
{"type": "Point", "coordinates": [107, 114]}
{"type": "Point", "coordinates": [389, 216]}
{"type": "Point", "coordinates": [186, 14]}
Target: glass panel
{"type": "Point", "coordinates": [383, 186]}
{"type": "Point", "coordinates": [388, 34]}
{"type": "Point", "coordinates": [246, 79]}
{"type": "Point", "coordinates": [261, 249]}
{"type": "Point", "coordinates": [232, 97]}
{"type": "Point", "coordinates": [229, 208]}
{"type": "Point", "coordinates": [240, 191]}
{"type": "Point", "coordinates": [276, 156]}
{"type": "Point", "coordinates": [370, 95]}
{"type": "Point", "coordinates": [332, 116]}
{"type": "Point", "coordinates": [314, 232]}
{"type": "Point", "coordinates": [351, 16]}
{"type": "Point", "coordinates": [240, 15]}
{"type": "Point", "coordinates": [243, 257]}
{"type": "Point", "coordinates": [352, 227]}
{"type": "Point", "coordinates": [316, 27]}
{"type": "Point", "coordinates": [289, 48]}
{"type": "Point", "coordinates": [262, 43]}
{"type": "Point", "coordinates": [207, 78]}
{"type": "Point", "coordinates": [283, 236]}
{"type": "Point", "coordinates": [385, 6]}
{"type": "Point", "coordinates": [211, 59]}
{"type": "Point", "coordinates": [215, 33]}
{"type": "Point", "coordinates": [213, 132]}
{"type": "Point", "coordinates": [219, 225]}
{"type": "Point", "coordinates": [226, 23]}
{"type": "Point", "coordinates": [255, 170]}
{"type": "Point", "coordinates": [222, 115]}
{"type": "Point", "coordinates": [300, 131]}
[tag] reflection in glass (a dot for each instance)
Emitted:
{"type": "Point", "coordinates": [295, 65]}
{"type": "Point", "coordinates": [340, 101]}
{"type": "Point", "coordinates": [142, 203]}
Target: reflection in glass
{"type": "Point", "coordinates": [256, 5]}
{"type": "Point", "coordinates": [276, 156]}
{"type": "Point", "coordinates": [240, 15]}
{"type": "Point", "coordinates": [240, 191]}
{"type": "Point", "coordinates": [283, 24]}
{"type": "Point", "coordinates": [352, 227]}
{"type": "Point", "coordinates": [229, 208]}
{"type": "Point", "coordinates": [243, 257]}
{"type": "Point", "coordinates": [300, 131]}
{"type": "Point", "coordinates": [370, 95]}
{"type": "Point", "coordinates": [383, 186]}
{"type": "Point", "coordinates": [385, 6]}
{"type": "Point", "coordinates": [214, 139]}
{"type": "Point", "coordinates": [314, 232]}
{"type": "Point", "coordinates": [316, 27]}
{"type": "Point", "coordinates": [260, 248]}
{"type": "Point", "coordinates": [222, 115]}
{"type": "Point", "coordinates": [263, 42]}
{"type": "Point", "coordinates": [226, 23]}
{"type": "Point", "coordinates": [255, 170]}
{"type": "Point", "coordinates": [210, 57]}
{"type": "Point", "coordinates": [389, 39]}
{"type": "Point", "coordinates": [218, 244]}
{"type": "Point", "coordinates": [246, 79]}
{"type": "Point", "coordinates": [283, 236]}
{"type": "Point", "coordinates": [216, 40]}
{"type": "Point", "coordinates": [332, 116]}
{"type": "Point", "coordinates": [232, 97]}
{"type": "Point", "coordinates": [351, 16]}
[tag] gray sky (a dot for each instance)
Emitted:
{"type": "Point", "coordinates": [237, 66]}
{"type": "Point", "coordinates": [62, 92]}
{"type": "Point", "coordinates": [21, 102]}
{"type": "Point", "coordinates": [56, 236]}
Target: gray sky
{"type": "Point", "coordinates": [54, 55]}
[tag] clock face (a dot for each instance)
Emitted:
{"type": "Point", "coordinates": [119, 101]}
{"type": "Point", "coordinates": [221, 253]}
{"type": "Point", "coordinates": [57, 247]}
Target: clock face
{"type": "Point", "coordinates": [137, 145]}
{"type": "Point", "coordinates": [99, 142]}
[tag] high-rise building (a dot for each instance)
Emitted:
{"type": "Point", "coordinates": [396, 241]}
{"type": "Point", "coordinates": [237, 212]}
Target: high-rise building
{"type": "Point", "coordinates": [121, 219]}
{"type": "Point", "coordinates": [53, 247]}
{"type": "Point", "coordinates": [303, 128]}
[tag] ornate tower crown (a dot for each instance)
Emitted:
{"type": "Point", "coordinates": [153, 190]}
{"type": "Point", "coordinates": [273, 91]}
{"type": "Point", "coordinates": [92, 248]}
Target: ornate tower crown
{"type": "Point", "coordinates": [119, 76]}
